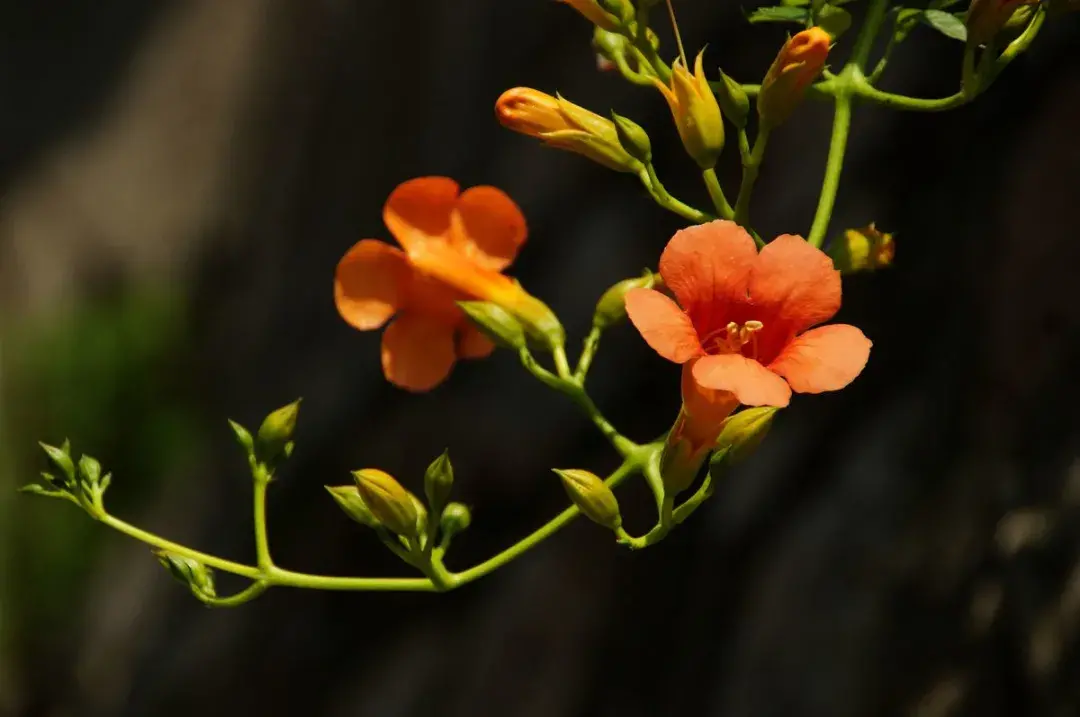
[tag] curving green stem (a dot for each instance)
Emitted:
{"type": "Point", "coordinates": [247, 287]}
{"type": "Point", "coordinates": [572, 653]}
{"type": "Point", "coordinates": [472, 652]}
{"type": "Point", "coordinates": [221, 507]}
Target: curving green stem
{"type": "Point", "coordinates": [833, 166]}
{"type": "Point", "coordinates": [660, 196]}
{"type": "Point", "coordinates": [716, 194]}
{"type": "Point", "coordinates": [751, 166]}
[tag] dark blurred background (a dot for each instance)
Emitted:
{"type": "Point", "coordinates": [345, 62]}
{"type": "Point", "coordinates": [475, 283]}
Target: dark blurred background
{"type": "Point", "coordinates": [177, 183]}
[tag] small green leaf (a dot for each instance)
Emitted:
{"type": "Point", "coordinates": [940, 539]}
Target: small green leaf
{"type": "Point", "coordinates": [243, 437]}
{"type": "Point", "coordinates": [38, 489]}
{"type": "Point", "coordinates": [794, 3]}
{"type": "Point", "coordinates": [947, 24]}
{"type": "Point", "coordinates": [779, 13]}
{"type": "Point", "coordinates": [906, 20]}
{"type": "Point", "coordinates": [834, 20]}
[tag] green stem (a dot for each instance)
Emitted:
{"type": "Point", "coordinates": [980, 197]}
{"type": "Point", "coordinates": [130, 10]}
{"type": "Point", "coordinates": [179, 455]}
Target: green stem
{"type": "Point", "coordinates": [629, 466]}
{"type": "Point", "coordinates": [262, 539]}
{"type": "Point", "coordinates": [660, 196]}
{"type": "Point", "coordinates": [573, 389]}
{"type": "Point", "coordinates": [864, 43]}
{"type": "Point", "coordinates": [588, 351]}
{"type": "Point", "coordinates": [246, 595]}
{"type": "Point", "coordinates": [902, 102]}
{"type": "Point", "coordinates": [247, 571]}
{"type": "Point", "coordinates": [716, 194]}
{"type": "Point", "coordinates": [833, 166]}
{"type": "Point", "coordinates": [749, 176]}
{"type": "Point", "coordinates": [703, 493]}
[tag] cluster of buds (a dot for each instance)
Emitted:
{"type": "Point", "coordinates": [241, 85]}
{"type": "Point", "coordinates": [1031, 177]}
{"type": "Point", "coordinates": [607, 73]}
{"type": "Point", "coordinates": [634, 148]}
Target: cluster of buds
{"type": "Point", "coordinates": [377, 500]}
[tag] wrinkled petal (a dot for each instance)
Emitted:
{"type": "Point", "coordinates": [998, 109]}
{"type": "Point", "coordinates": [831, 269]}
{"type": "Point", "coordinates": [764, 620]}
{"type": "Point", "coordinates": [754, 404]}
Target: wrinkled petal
{"type": "Point", "coordinates": [663, 325]}
{"type": "Point", "coordinates": [823, 359]}
{"type": "Point", "coordinates": [708, 267]}
{"type": "Point", "coordinates": [472, 344]}
{"type": "Point", "coordinates": [371, 283]}
{"type": "Point", "coordinates": [752, 383]}
{"type": "Point", "coordinates": [419, 210]}
{"type": "Point", "coordinates": [795, 283]}
{"type": "Point", "coordinates": [488, 227]}
{"type": "Point", "coordinates": [417, 351]}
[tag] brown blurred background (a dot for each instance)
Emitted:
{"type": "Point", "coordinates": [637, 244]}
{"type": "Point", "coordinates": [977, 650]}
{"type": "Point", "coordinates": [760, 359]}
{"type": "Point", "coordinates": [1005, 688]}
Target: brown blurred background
{"type": "Point", "coordinates": [177, 182]}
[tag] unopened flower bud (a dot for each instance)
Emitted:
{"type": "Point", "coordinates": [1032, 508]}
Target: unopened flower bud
{"type": "Point", "coordinates": [61, 459]}
{"type": "Point", "coordinates": [274, 438]}
{"type": "Point", "coordinates": [388, 501]}
{"type": "Point", "coordinates": [592, 496]}
{"type": "Point", "coordinates": [744, 431]}
{"type": "Point", "coordinates": [564, 125]}
{"type": "Point", "coordinates": [632, 138]}
{"type": "Point", "coordinates": [797, 65]}
{"type": "Point", "coordinates": [495, 322]}
{"type": "Point", "coordinates": [865, 249]}
{"type": "Point", "coordinates": [611, 309]}
{"type": "Point", "coordinates": [348, 499]}
{"type": "Point", "coordinates": [455, 519]}
{"type": "Point", "coordinates": [696, 112]}
{"type": "Point", "coordinates": [198, 577]}
{"type": "Point", "coordinates": [734, 102]}
{"type": "Point", "coordinates": [594, 13]}
{"type": "Point", "coordinates": [438, 482]}
{"type": "Point", "coordinates": [986, 18]}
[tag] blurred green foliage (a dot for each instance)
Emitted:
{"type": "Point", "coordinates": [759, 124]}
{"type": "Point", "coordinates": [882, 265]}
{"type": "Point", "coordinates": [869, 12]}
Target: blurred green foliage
{"type": "Point", "coordinates": [110, 376]}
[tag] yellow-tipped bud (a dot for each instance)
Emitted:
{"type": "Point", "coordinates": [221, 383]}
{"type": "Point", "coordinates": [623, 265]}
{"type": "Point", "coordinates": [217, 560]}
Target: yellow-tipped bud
{"type": "Point", "coordinates": [797, 65]}
{"type": "Point", "coordinates": [275, 434]}
{"type": "Point", "coordinates": [865, 249]}
{"type": "Point", "coordinates": [743, 432]}
{"type": "Point", "coordinates": [591, 496]}
{"type": "Point", "coordinates": [594, 13]}
{"type": "Point", "coordinates": [696, 112]}
{"type": "Point", "coordinates": [564, 125]}
{"type": "Point", "coordinates": [388, 501]}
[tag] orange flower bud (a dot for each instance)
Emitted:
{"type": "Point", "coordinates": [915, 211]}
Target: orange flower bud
{"type": "Point", "coordinates": [696, 112]}
{"type": "Point", "coordinates": [798, 64]}
{"type": "Point", "coordinates": [595, 14]}
{"type": "Point", "coordinates": [564, 125]}
{"type": "Point", "coordinates": [986, 18]}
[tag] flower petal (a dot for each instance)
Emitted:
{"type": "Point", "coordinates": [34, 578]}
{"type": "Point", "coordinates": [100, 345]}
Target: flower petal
{"type": "Point", "coordinates": [752, 383]}
{"type": "Point", "coordinates": [488, 227]}
{"type": "Point", "coordinates": [823, 359]}
{"type": "Point", "coordinates": [417, 351]}
{"type": "Point", "coordinates": [371, 283]}
{"type": "Point", "coordinates": [431, 296]}
{"type": "Point", "coordinates": [419, 210]}
{"type": "Point", "coordinates": [663, 325]}
{"type": "Point", "coordinates": [472, 344]}
{"type": "Point", "coordinates": [708, 267]}
{"type": "Point", "coordinates": [796, 283]}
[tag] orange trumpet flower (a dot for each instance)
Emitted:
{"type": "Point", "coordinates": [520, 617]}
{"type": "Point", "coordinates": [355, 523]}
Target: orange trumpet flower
{"type": "Point", "coordinates": [741, 325]}
{"type": "Point", "coordinates": [456, 245]}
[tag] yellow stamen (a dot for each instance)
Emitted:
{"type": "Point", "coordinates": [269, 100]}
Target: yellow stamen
{"type": "Point", "coordinates": [731, 338]}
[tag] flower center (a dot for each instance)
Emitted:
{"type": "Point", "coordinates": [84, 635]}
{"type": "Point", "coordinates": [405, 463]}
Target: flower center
{"type": "Point", "coordinates": [731, 338]}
